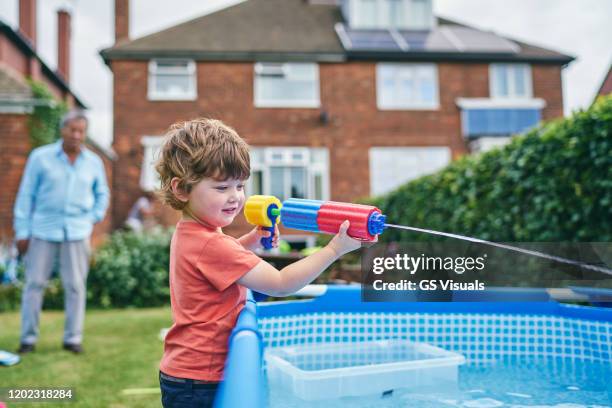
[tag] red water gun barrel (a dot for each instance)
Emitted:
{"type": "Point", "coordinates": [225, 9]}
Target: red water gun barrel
{"type": "Point", "coordinates": [332, 214]}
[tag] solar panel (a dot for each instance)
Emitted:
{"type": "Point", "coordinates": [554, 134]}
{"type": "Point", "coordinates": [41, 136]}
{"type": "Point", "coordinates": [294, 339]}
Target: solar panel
{"type": "Point", "coordinates": [433, 41]}
{"type": "Point", "coordinates": [444, 38]}
{"type": "Point", "coordinates": [367, 40]}
{"type": "Point", "coordinates": [472, 40]}
{"type": "Point", "coordinates": [416, 40]}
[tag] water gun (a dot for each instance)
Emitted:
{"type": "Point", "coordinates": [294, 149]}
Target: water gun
{"type": "Point", "coordinates": [366, 221]}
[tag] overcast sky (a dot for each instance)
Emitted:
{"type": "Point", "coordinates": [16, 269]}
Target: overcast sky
{"type": "Point", "coordinates": [581, 28]}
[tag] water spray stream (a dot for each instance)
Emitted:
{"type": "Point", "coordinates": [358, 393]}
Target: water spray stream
{"type": "Point", "coordinates": [508, 247]}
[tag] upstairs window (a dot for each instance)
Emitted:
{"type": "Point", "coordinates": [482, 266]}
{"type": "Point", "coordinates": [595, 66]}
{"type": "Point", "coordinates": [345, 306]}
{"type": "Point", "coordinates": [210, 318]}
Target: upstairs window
{"type": "Point", "coordinates": [172, 80]}
{"type": "Point", "coordinates": [290, 172]}
{"type": "Point", "coordinates": [286, 85]}
{"type": "Point", "coordinates": [391, 14]}
{"type": "Point", "coordinates": [406, 86]}
{"type": "Point", "coordinates": [510, 81]}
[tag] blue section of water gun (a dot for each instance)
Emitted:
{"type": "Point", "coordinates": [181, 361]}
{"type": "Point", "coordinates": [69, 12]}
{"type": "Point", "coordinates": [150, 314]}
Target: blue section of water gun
{"type": "Point", "coordinates": [376, 223]}
{"type": "Point", "coordinates": [266, 242]}
{"type": "Point", "coordinates": [301, 214]}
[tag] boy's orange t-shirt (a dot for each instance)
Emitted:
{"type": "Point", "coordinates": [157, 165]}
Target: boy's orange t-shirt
{"type": "Point", "coordinates": [206, 300]}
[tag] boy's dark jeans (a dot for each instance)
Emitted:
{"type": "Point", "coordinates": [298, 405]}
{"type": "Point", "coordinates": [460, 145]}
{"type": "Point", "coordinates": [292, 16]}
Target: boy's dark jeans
{"type": "Point", "coordinates": [187, 394]}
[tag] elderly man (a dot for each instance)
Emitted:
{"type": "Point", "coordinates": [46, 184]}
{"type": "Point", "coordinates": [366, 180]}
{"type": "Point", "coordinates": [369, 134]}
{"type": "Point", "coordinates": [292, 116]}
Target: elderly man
{"type": "Point", "coordinates": [63, 193]}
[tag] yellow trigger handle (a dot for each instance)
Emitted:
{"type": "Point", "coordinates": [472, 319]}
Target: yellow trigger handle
{"type": "Point", "coordinates": [264, 211]}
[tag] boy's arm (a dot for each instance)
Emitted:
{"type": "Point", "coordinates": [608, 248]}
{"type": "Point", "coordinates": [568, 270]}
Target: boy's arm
{"type": "Point", "coordinates": [266, 279]}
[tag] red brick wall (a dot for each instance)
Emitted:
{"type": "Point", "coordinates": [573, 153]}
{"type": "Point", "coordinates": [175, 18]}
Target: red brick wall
{"type": "Point", "coordinates": [14, 150]}
{"type": "Point", "coordinates": [547, 85]}
{"type": "Point", "coordinates": [348, 94]}
{"type": "Point", "coordinates": [12, 56]}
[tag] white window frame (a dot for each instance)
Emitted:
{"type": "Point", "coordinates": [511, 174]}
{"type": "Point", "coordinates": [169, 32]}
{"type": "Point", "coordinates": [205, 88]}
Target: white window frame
{"type": "Point", "coordinates": [383, 16]}
{"type": "Point", "coordinates": [490, 103]}
{"type": "Point", "coordinates": [527, 78]}
{"type": "Point", "coordinates": [149, 178]}
{"type": "Point", "coordinates": [384, 104]}
{"type": "Point", "coordinates": [154, 95]}
{"type": "Point", "coordinates": [285, 159]}
{"type": "Point", "coordinates": [280, 69]}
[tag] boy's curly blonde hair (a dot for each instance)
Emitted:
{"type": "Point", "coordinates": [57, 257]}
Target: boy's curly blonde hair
{"type": "Point", "coordinates": [196, 149]}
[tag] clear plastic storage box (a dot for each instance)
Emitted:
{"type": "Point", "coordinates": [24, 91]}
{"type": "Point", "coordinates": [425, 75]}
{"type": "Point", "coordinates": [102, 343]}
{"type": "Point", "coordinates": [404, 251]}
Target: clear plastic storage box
{"type": "Point", "coordinates": [321, 371]}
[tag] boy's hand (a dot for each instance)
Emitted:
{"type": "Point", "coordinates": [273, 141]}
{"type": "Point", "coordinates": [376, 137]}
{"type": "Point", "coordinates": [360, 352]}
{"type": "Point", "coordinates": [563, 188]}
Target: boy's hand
{"type": "Point", "coordinates": [342, 243]}
{"type": "Point", "coordinates": [252, 240]}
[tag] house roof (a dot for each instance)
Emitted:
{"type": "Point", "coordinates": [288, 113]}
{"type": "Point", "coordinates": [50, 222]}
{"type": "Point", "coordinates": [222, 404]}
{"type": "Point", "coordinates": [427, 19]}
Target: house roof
{"type": "Point", "coordinates": [24, 45]}
{"type": "Point", "coordinates": [606, 84]}
{"type": "Point", "coordinates": [16, 96]}
{"type": "Point", "coordinates": [250, 30]}
{"type": "Point", "coordinates": [297, 30]}
{"type": "Point", "coordinates": [12, 87]}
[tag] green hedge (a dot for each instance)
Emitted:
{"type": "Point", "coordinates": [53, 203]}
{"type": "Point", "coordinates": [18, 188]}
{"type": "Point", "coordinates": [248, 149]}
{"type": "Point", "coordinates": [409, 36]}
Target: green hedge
{"type": "Point", "coordinates": [552, 184]}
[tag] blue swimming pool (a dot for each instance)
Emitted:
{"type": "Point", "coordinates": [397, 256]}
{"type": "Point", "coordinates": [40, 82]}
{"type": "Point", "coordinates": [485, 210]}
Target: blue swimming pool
{"type": "Point", "coordinates": [518, 354]}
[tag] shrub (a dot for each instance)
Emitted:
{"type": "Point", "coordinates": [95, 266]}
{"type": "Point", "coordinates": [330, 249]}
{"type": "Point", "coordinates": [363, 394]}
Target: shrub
{"type": "Point", "coordinates": [10, 294]}
{"type": "Point", "coordinates": [131, 269]}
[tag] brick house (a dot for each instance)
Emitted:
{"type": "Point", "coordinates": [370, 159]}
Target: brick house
{"type": "Point", "coordinates": [606, 85]}
{"type": "Point", "coordinates": [338, 99]}
{"type": "Point", "coordinates": [18, 62]}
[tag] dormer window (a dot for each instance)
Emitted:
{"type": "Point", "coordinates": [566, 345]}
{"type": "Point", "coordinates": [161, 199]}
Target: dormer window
{"type": "Point", "coordinates": [389, 14]}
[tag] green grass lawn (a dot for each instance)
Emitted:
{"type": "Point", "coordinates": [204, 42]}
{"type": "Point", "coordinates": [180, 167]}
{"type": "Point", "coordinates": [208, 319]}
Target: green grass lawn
{"type": "Point", "coordinates": [122, 351]}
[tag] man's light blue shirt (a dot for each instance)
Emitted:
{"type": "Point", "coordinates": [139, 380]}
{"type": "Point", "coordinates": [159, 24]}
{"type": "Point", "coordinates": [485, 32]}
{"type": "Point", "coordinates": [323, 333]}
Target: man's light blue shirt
{"type": "Point", "coordinates": [57, 200]}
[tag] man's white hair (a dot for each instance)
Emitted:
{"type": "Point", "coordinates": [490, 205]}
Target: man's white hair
{"type": "Point", "coordinates": [74, 114]}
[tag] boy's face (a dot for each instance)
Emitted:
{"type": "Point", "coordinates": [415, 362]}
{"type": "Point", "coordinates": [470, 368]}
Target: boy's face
{"type": "Point", "coordinates": [217, 202]}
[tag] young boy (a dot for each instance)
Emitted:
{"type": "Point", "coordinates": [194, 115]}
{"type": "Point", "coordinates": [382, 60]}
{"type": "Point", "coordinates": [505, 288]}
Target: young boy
{"type": "Point", "coordinates": [203, 167]}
